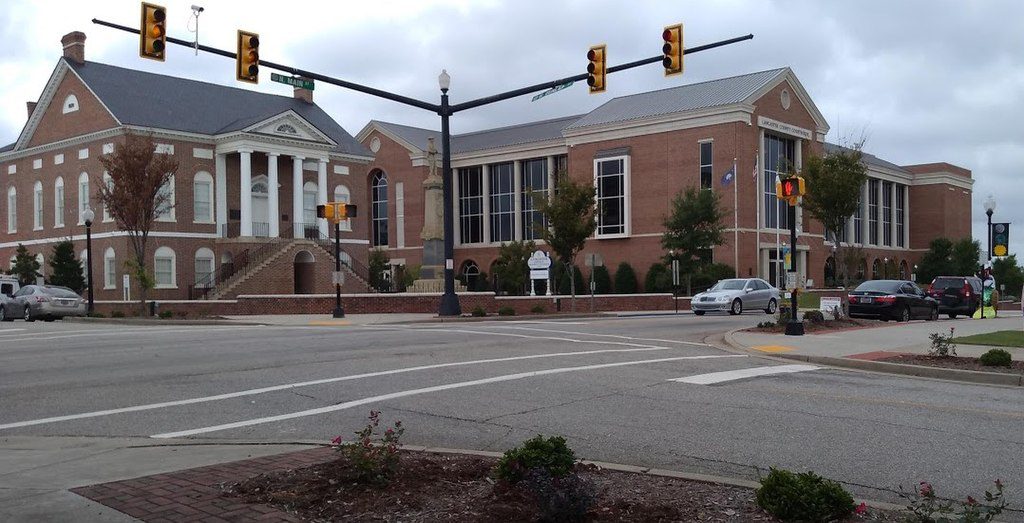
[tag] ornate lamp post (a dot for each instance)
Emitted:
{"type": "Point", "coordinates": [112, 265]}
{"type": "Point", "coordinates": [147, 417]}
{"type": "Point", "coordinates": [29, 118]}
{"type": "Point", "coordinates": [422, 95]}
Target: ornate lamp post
{"type": "Point", "coordinates": [88, 216]}
{"type": "Point", "coordinates": [449, 301]}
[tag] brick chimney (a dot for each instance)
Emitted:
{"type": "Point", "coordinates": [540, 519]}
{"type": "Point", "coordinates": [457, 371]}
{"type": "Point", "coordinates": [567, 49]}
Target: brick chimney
{"type": "Point", "coordinates": [74, 46]}
{"type": "Point", "coordinates": [31, 108]}
{"type": "Point", "coordinates": [305, 95]}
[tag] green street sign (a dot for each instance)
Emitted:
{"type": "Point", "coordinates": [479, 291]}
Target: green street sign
{"type": "Point", "coordinates": [553, 90]}
{"type": "Point", "coordinates": [293, 81]}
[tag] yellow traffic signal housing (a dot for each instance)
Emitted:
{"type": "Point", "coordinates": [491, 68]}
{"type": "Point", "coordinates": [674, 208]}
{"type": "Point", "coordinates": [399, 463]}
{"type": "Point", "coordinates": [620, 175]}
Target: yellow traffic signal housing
{"type": "Point", "coordinates": [672, 49]}
{"type": "Point", "coordinates": [248, 58]}
{"type": "Point", "coordinates": [790, 189]}
{"type": "Point", "coordinates": [597, 68]}
{"type": "Point", "coordinates": [153, 32]}
{"type": "Point", "coordinates": [325, 211]}
{"type": "Point", "coordinates": [336, 211]}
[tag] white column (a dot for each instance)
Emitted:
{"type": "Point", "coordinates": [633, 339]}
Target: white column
{"type": "Point", "coordinates": [273, 208]}
{"type": "Point", "coordinates": [865, 221]}
{"type": "Point", "coordinates": [245, 194]}
{"type": "Point", "coordinates": [400, 214]}
{"type": "Point", "coordinates": [486, 182]}
{"type": "Point", "coordinates": [456, 225]}
{"type": "Point", "coordinates": [297, 225]}
{"type": "Point", "coordinates": [892, 214]}
{"type": "Point", "coordinates": [321, 190]}
{"type": "Point", "coordinates": [517, 204]}
{"type": "Point", "coordinates": [881, 221]}
{"type": "Point", "coordinates": [906, 216]}
{"type": "Point", "coordinates": [221, 189]}
{"type": "Point", "coordinates": [552, 180]}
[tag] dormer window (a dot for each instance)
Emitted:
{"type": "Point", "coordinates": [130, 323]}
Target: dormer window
{"type": "Point", "coordinates": [286, 129]}
{"type": "Point", "coordinates": [70, 104]}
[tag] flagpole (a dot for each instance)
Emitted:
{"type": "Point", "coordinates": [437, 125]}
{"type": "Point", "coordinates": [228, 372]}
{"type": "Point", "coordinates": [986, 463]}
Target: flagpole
{"type": "Point", "coordinates": [736, 217]}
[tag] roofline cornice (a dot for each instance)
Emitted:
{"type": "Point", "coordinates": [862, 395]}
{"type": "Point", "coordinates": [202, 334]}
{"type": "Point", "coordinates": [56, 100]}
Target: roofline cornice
{"type": "Point", "coordinates": [286, 114]}
{"type": "Point", "coordinates": [742, 113]}
{"type": "Point", "coordinates": [944, 177]}
{"type": "Point", "coordinates": [16, 154]}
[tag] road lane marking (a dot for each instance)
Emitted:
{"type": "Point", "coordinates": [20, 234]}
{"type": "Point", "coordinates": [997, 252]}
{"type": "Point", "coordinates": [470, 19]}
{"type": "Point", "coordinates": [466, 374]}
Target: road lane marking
{"type": "Point", "coordinates": [59, 335]}
{"type": "Point", "coordinates": [288, 386]}
{"type": "Point", "coordinates": [731, 375]}
{"type": "Point", "coordinates": [612, 336]}
{"type": "Point", "coordinates": [414, 392]}
{"type": "Point", "coordinates": [772, 348]}
{"type": "Point", "coordinates": [329, 323]}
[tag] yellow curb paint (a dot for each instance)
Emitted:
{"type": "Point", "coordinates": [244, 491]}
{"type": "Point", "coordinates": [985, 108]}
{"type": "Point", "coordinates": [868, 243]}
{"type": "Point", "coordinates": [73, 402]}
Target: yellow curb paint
{"type": "Point", "coordinates": [328, 323]}
{"type": "Point", "coordinates": [772, 348]}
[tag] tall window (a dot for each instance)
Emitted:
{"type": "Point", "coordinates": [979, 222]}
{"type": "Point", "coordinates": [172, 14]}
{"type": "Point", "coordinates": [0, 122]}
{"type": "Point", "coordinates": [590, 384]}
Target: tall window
{"type": "Point", "coordinates": [109, 269]}
{"type": "Point", "coordinates": [901, 222]}
{"type": "Point", "coordinates": [309, 191]}
{"type": "Point", "coordinates": [471, 205]}
{"type": "Point", "coordinates": [204, 267]}
{"type": "Point", "coordinates": [379, 208]}
{"type": "Point", "coordinates": [163, 268]}
{"type": "Point", "coordinates": [561, 166]}
{"type": "Point", "coordinates": [12, 209]}
{"type": "Point", "coordinates": [502, 202]}
{"type": "Point", "coordinates": [166, 211]}
{"type": "Point", "coordinates": [858, 220]}
{"type": "Point", "coordinates": [37, 205]}
{"type": "Point", "coordinates": [83, 195]}
{"type": "Point", "coordinates": [109, 182]}
{"type": "Point", "coordinates": [611, 179]}
{"type": "Point", "coordinates": [779, 159]}
{"type": "Point", "coordinates": [873, 211]}
{"type": "Point", "coordinates": [535, 185]}
{"type": "Point", "coordinates": [706, 171]}
{"type": "Point", "coordinates": [202, 198]}
{"type": "Point", "coordinates": [887, 212]}
{"type": "Point", "coordinates": [58, 202]}
{"type": "Point", "coordinates": [341, 194]}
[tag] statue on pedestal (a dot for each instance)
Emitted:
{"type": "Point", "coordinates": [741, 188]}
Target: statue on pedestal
{"type": "Point", "coordinates": [432, 270]}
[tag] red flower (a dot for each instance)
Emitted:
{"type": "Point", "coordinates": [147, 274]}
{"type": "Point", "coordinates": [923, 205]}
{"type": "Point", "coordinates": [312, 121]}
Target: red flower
{"type": "Point", "coordinates": [926, 488]}
{"type": "Point", "coordinates": [336, 440]}
{"type": "Point", "coordinates": [862, 508]}
{"type": "Point", "coordinates": [971, 501]}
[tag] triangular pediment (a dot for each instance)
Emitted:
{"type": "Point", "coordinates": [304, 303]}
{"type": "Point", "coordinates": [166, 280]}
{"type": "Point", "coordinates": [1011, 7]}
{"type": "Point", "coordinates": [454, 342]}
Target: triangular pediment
{"type": "Point", "coordinates": [289, 125]}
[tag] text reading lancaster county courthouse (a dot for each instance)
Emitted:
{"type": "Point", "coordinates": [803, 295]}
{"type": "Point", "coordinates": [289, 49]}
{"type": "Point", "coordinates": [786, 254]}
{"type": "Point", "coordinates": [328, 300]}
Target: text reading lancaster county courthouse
{"type": "Point", "coordinates": [253, 167]}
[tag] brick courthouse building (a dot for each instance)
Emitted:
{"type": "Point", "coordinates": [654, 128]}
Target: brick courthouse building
{"type": "Point", "coordinates": [253, 166]}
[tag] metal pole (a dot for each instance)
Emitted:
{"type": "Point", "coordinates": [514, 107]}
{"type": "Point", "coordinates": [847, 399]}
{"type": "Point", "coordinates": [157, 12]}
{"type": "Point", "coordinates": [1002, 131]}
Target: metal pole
{"type": "Point", "coordinates": [794, 327]}
{"type": "Point", "coordinates": [338, 311]}
{"type": "Point", "coordinates": [988, 213]}
{"type": "Point", "coordinates": [88, 263]}
{"type": "Point", "coordinates": [449, 301]}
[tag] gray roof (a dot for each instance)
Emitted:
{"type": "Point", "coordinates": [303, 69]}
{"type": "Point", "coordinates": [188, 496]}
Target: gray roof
{"type": "Point", "coordinates": [481, 140]}
{"type": "Point", "coordinates": [179, 104]}
{"type": "Point", "coordinates": [869, 159]}
{"type": "Point", "coordinates": [713, 93]}
{"type": "Point", "coordinates": [416, 136]}
{"type": "Point", "coordinates": [8, 147]}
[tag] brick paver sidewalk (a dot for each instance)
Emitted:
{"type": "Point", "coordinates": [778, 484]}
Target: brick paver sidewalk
{"type": "Point", "coordinates": [197, 494]}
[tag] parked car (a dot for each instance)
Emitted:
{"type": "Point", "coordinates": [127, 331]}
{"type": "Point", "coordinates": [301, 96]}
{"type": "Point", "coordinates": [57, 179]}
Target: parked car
{"type": "Point", "coordinates": [957, 295]}
{"type": "Point", "coordinates": [886, 300]}
{"type": "Point", "coordinates": [8, 286]}
{"type": "Point", "coordinates": [735, 295]}
{"type": "Point", "coordinates": [46, 302]}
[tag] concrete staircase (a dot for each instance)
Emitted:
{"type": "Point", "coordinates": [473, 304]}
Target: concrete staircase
{"type": "Point", "coordinates": [223, 289]}
{"type": "Point", "coordinates": [345, 267]}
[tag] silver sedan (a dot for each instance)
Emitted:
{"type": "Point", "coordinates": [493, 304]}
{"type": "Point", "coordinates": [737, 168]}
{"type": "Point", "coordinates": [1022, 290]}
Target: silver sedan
{"type": "Point", "coordinates": [46, 302]}
{"type": "Point", "coordinates": [737, 295]}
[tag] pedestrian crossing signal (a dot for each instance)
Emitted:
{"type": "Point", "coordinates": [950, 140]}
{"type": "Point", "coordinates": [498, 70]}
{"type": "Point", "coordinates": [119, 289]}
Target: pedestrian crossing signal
{"type": "Point", "coordinates": [153, 33]}
{"type": "Point", "coordinates": [790, 189]}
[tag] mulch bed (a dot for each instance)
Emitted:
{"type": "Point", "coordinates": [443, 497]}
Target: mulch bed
{"type": "Point", "coordinates": [826, 326]}
{"type": "Point", "coordinates": [954, 362]}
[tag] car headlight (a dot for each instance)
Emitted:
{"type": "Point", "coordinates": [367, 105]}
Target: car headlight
{"type": "Point", "coordinates": [722, 299]}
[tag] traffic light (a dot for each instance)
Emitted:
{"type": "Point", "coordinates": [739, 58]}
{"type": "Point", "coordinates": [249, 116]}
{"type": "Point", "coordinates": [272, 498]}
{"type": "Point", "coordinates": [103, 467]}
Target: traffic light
{"type": "Point", "coordinates": [153, 32]}
{"type": "Point", "coordinates": [672, 49]}
{"type": "Point", "coordinates": [325, 211]}
{"type": "Point", "coordinates": [336, 211]}
{"type": "Point", "coordinates": [597, 68]}
{"type": "Point", "coordinates": [790, 189]}
{"type": "Point", "coordinates": [248, 58]}
{"type": "Point", "coordinates": [1000, 239]}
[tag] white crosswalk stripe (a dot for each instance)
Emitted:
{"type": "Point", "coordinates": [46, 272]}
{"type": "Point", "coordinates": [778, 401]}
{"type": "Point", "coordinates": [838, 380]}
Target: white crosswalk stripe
{"type": "Point", "coordinates": [739, 374]}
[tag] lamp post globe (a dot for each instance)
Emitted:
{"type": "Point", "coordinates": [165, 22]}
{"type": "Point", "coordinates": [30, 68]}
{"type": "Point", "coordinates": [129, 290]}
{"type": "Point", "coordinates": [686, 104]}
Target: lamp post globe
{"type": "Point", "coordinates": [88, 215]}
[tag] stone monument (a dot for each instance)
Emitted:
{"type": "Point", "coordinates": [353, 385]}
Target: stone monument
{"type": "Point", "coordinates": [432, 270]}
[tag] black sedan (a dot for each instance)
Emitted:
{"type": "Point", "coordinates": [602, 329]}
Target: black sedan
{"type": "Point", "coordinates": [892, 300]}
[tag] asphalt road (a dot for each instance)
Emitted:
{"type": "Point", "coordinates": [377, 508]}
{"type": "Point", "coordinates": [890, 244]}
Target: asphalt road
{"type": "Point", "coordinates": [609, 386]}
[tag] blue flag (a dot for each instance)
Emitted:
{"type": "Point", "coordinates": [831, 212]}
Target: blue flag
{"type": "Point", "coordinates": [728, 177]}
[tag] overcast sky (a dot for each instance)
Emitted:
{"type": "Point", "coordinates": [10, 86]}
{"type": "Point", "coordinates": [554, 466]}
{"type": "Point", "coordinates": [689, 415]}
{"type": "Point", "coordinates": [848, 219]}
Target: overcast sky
{"type": "Point", "coordinates": [924, 81]}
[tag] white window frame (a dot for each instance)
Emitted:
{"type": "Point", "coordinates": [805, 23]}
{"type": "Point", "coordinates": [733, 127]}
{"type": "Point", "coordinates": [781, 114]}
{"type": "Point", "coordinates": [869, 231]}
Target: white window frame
{"type": "Point", "coordinates": [12, 210]}
{"type": "Point", "coordinates": [109, 268]}
{"type": "Point", "coordinates": [204, 254]}
{"type": "Point", "coordinates": [309, 198]}
{"type": "Point", "coordinates": [83, 195]}
{"type": "Point", "coordinates": [626, 207]}
{"type": "Point", "coordinates": [342, 194]}
{"type": "Point", "coordinates": [58, 202]}
{"type": "Point", "coordinates": [70, 104]}
{"type": "Point", "coordinates": [202, 178]}
{"type": "Point", "coordinates": [110, 185]}
{"type": "Point", "coordinates": [168, 215]}
{"type": "Point", "coordinates": [165, 254]}
{"type": "Point", "coordinates": [37, 206]}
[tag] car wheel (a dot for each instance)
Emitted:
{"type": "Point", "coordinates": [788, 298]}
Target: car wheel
{"type": "Point", "coordinates": [772, 306]}
{"type": "Point", "coordinates": [3, 314]}
{"type": "Point", "coordinates": [952, 315]}
{"type": "Point", "coordinates": [934, 316]}
{"type": "Point", "coordinates": [28, 314]}
{"type": "Point", "coordinates": [737, 307]}
{"type": "Point", "coordinates": [699, 313]}
{"type": "Point", "coordinates": [905, 314]}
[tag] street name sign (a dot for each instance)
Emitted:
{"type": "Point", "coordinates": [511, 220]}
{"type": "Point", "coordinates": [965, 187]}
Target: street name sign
{"type": "Point", "coordinates": [553, 90]}
{"type": "Point", "coordinates": [293, 81]}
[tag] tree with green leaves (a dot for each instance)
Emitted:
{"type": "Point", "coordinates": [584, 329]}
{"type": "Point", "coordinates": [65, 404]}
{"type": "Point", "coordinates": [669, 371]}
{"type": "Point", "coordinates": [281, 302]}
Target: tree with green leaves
{"type": "Point", "coordinates": [26, 267]}
{"type": "Point", "coordinates": [1008, 273]}
{"type": "Point", "coordinates": [693, 228]}
{"type": "Point", "coordinates": [65, 268]}
{"type": "Point", "coordinates": [625, 279]}
{"type": "Point", "coordinates": [378, 265]}
{"type": "Point", "coordinates": [658, 278]}
{"type": "Point", "coordinates": [966, 257]}
{"type": "Point", "coordinates": [511, 270]}
{"type": "Point", "coordinates": [833, 184]}
{"type": "Point", "coordinates": [571, 218]}
{"type": "Point", "coordinates": [938, 261]}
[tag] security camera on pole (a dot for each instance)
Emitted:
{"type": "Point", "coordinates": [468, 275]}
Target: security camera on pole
{"type": "Point", "coordinates": [792, 189]}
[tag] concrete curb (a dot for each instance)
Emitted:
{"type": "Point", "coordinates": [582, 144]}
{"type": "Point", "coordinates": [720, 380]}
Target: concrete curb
{"type": "Point", "coordinates": [901, 369]}
{"type": "Point", "coordinates": [154, 321]}
{"type": "Point", "coordinates": [527, 317]}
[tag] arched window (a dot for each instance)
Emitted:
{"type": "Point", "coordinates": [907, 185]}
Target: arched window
{"type": "Point", "coordinates": [70, 104]}
{"type": "Point", "coordinates": [165, 212]}
{"type": "Point", "coordinates": [379, 208]}
{"type": "Point", "coordinates": [470, 272]}
{"type": "Point", "coordinates": [876, 269]}
{"type": "Point", "coordinates": [309, 191]}
{"type": "Point", "coordinates": [58, 202]}
{"type": "Point", "coordinates": [83, 195]}
{"type": "Point", "coordinates": [164, 268]}
{"type": "Point", "coordinates": [12, 209]}
{"type": "Point", "coordinates": [341, 194]}
{"type": "Point", "coordinates": [109, 269]}
{"type": "Point", "coordinates": [204, 268]}
{"type": "Point", "coordinates": [109, 182]}
{"type": "Point", "coordinates": [202, 197]}
{"type": "Point", "coordinates": [37, 206]}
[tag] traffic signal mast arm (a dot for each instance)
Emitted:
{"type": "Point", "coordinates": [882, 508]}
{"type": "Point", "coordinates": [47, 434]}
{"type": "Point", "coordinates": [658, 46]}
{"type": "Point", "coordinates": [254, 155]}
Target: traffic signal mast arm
{"type": "Point", "coordinates": [435, 108]}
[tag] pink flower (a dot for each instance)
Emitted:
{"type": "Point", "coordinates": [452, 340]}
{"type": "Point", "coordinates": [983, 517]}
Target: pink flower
{"type": "Point", "coordinates": [971, 501]}
{"type": "Point", "coordinates": [926, 488]}
{"type": "Point", "coordinates": [336, 440]}
{"type": "Point", "coordinates": [862, 508]}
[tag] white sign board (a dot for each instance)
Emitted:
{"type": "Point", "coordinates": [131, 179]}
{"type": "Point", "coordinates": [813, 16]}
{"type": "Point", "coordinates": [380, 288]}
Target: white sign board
{"type": "Point", "coordinates": [538, 274]}
{"type": "Point", "coordinates": [594, 260]}
{"type": "Point", "coordinates": [337, 278]}
{"type": "Point", "coordinates": [828, 305]}
{"type": "Point", "coordinates": [538, 260]}
{"type": "Point", "coordinates": [790, 280]}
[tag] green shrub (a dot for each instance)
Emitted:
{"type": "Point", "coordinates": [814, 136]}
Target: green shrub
{"type": "Point", "coordinates": [538, 309]}
{"type": "Point", "coordinates": [506, 311]}
{"type": "Point", "coordinates": [625, 279]}
{"type": "Point", "coordinates": [96, 315]}
{"type": "Point", "coordinates": [166, 314]}
{"type": "Point", "coordinates": [996, 358]}
{"type": "Point", "coordinates": [803, 497]}
{"type": "Point", "coordinates": [766, 325]}
{"type": "Point", "coordinates": [942, 345]}
{"type": "Point", "coordinates": [567, 498]}
{"type": "Point", "coordinates": [709, 275]}
{"type": "Point", "coordinates": [374, 456]}
{"type": "Point", "coordinates": [658, 279]}
{"type": "Point", "coordinates": [563, 282]}
{"type": "Point", "coordinates": [552, 455]}
{"type": "Point", "coordinates": [814, 317]}
{"type": "Point", "coordinates": [117, 314]}
{"type": "Point", "coordinates": [479, 312]}
{"type": "Point", "coordinates": [602, 280]}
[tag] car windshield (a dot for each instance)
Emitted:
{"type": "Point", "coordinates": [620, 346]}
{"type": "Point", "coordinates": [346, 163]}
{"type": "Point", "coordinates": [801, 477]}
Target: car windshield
{"type": "Point", "coordinates": [729, 285]}
{"type": "Point", "coordinates": [879, 286]}
{"type": "Point", "coordinates": [947, 283]}
{"type": "Point", "coordinates": [59, 292]}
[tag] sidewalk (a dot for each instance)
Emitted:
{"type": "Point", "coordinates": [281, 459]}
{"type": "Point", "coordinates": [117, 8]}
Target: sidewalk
{"type": "Point", "coordinates": [326, 320]}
